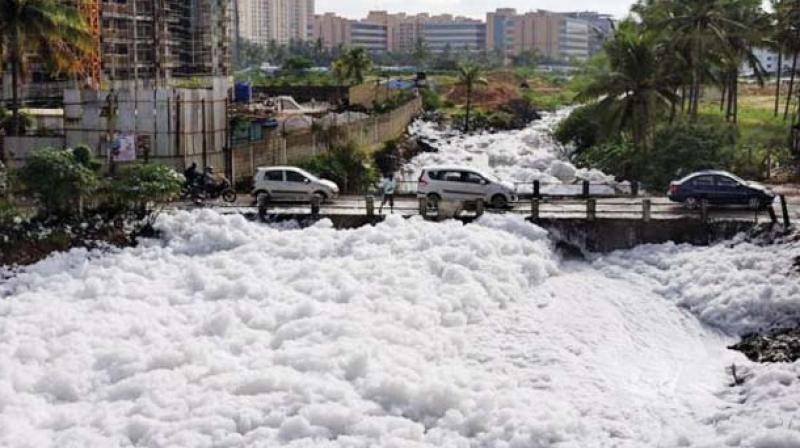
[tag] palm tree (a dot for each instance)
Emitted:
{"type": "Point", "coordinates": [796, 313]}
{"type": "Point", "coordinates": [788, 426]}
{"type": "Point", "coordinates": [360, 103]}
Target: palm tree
{"type": "Point", "coordinates": [50, 29]}
{"type": "Point", "coordinates": [747, 28]}
{"type": "Point", "coordinates": [352, 66]}
{"type": "Point", "coordinates": [469, 76]}
{"type": "Point", "coordinates": [700, 25]}
{"type": "Point", "coordinates": [787, 37]}
{"type": "Point", "coordinates": [634, 88]}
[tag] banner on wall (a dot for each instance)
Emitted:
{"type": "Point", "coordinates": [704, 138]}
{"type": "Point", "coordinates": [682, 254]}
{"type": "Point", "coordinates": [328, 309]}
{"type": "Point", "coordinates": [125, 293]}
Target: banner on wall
{"type": "Point", "coordinates": [124, 147]}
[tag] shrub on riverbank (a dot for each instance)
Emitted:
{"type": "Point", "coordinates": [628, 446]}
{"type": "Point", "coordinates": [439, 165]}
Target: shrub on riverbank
{"type": "Point", "coordinates": [348, 165]}
{"type": "Point", "coordinates": [678, 150]}
{"type": "Point", "coordinates": [75, 207]}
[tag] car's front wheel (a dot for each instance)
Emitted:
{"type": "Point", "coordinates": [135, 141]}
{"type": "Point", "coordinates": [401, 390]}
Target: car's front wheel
{"type": "Point", "coordinates": [499, 201]}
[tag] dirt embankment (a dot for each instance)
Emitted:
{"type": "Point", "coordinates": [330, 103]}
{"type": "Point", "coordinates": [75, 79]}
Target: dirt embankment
{"type": "Point", "coordinates": [27, 242]}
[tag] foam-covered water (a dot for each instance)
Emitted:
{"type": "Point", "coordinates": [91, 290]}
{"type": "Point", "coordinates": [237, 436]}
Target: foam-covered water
{"type": "Point", "coordinates": [228, 333]}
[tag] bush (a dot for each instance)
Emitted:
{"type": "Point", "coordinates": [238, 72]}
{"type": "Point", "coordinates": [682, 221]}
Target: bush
{"type": "Point", "coordinates": [478, 121]}
{"type": "Point", "coordinates": [83, 154]}
{"type": "Point", "coordinates": [386, 159]}
{"type": "Point", "coordinates": [683, 148]}
{"type": "Point", "coordinates": [522, 110]}
{"type": "Point", "coordinates": [137, 184]}
{"type": "Point", "coordinates": [580, 129]}
{"type": "Point", "coordinates": [348, 165]}
{"type": "Point", "coordinates": [501, 120]}
{"type": "Point", "coordinates": [678, 150]}
{"type": "Point", "coordinates": [431, 100]}
{"type": "Point", "coordinates": [58, 179]}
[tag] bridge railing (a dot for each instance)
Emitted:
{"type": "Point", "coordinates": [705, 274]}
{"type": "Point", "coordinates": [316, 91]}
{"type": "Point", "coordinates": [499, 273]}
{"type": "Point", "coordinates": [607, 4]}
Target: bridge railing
{"type": "Point", "coordinates": [533, 188]}
{"type": "Point", "coordinates": [643, 208]}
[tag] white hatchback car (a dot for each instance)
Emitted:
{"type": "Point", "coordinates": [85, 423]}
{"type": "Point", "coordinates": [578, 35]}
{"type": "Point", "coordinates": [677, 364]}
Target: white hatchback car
{"type": "Point", "coordinates": [288, 183]}
{"type": "Point", "coordinates": [463, 184]}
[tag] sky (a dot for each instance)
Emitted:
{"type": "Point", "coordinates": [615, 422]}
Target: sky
{"type": "Point", "coordinates": [356, 9]}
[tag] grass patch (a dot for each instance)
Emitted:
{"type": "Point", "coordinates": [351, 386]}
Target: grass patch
{"type": "Point", "coordinates": [761, 139]}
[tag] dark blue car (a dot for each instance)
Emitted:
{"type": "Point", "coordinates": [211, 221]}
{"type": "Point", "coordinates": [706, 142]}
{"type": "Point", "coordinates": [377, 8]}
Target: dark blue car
{"type": "Point", "coordinates": [719, 187]}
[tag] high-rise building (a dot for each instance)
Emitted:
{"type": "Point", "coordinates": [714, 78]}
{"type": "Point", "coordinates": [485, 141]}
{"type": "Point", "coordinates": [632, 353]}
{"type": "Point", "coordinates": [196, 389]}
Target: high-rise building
{"type": "Point", "coordinates": [331, 29]}
{"type": "Point", "coordinates": [381, 31]}
{"type": "Point", "coordinates": [600, 28]}
{"type": "Point", "coordinates": [143, 40]}
{"type": "Point", "coordinates": [551, 35]}
{"type": "Point", "coordinates": [498, 24]}
{"type": "Point", "coordinates": [277, 20]}
{"type": "Point", "coordinates": [158, 40]}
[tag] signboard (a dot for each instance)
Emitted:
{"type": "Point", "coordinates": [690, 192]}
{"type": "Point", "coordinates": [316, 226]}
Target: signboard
{"type": "Point", "coordinates": [123, 148]}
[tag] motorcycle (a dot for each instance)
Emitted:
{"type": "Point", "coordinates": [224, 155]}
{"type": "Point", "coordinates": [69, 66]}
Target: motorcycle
{"type": "Point", "coordinates": [206, 190]}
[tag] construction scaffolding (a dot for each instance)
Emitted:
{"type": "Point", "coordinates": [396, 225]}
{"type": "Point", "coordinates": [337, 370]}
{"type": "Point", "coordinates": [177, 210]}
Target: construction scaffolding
{"type": "Point", "coordinates": [90, 10]}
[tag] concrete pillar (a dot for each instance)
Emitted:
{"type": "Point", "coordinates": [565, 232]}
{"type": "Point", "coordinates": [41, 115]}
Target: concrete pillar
{"type": "Point", "coordinates": [591, 209]}
{"type": "Point", "coordinates": [315, 201]}
{"type": "Point", "coordinates": [785, 211]}
{"type": "Point", "coordinates": [479, 207]}
{"type": "Point", "coordinates": [585, 189]}
{"type": "Point", "coordinates": [704, 211]}
{"type": "Point", "coordinates": [370, 200]}
{"type": "Point", "coordinates": [773, 218]}
{"type": "Point", "coordinates": [635, 188]}
{"type": "Point", "coordinates": [535, 209]}
{"type": "Point", "coordinates": [263, 207]}
{"type": "Point", "coordinates": [423, 206]}
{"type": "Point", "coordinates": [536, 190]}
{"type": "Point", "coordinates": [646, 204]}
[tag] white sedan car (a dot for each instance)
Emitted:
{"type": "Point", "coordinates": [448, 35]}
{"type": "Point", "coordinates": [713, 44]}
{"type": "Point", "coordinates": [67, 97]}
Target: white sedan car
{"type": "Point", "coordinates": [288, 183]}
{"type": "Point", "coordinates": [464, 184]}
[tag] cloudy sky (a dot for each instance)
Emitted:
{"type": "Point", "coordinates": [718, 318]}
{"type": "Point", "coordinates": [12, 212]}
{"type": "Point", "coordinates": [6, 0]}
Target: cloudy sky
{"type": "Point", "coordinates": [473, 8]}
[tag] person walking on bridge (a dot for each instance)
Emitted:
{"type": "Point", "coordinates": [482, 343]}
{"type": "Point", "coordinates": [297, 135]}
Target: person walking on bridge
{"type": "Point", "coordinates": [387, 188]}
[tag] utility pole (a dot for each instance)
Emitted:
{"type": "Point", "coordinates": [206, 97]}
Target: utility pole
{"type": "Point", "coordinates": [205, 147]}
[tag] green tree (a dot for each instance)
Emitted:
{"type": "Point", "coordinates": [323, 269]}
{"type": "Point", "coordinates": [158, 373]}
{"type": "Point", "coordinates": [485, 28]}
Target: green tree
{"type": "Point", "coordinates": [352, 66]}
{"type": "Point", "coordinates": [297, 64]}
{"type": "Point", "coordinates": [632, 91]}
{"type": "Point", "coordinates": [58, 179]}
{"type": "Point", "coordinates": [349, 166]}
{"type": "Point", "coordinates": [53, 30]}
{"type": "Point", "coordinates": [138, 185]}
{"type": "Point", "coordinates": [747, 27]}
{"type": "Point", "coordinates": [700, 26]}
{"type": "Point", "coordinates": [469, 76]}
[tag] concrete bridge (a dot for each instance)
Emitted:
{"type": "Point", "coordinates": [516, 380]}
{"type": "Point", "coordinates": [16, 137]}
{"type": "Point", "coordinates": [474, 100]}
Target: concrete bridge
{"type": "Point", "coordinates": [596, 224]}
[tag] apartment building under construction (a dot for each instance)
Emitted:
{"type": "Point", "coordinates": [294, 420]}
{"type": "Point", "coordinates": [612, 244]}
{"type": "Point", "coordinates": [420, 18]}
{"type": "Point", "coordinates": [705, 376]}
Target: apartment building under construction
{"type": "Point", "coordinates": [152, 42]}
{"type": "Point", "coordinates": [162, 39]}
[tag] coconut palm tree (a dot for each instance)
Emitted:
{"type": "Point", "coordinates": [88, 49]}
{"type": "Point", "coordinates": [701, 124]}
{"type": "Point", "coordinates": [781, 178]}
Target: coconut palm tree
{"type": "Point", "coordinates": [700, 25]}
{"type": "Point", "coordinates": [353, 65]}
{"type": "Point", "coordinates": [787, 40]}
{"type": "Point", "coordinates": [55, 32]}
{"type": "Point", "coordinates": [469, 75]}
{"type": "Point", "coordinates": [634, 89]}
{"type": "Point", "coordinates": [747, 28]}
